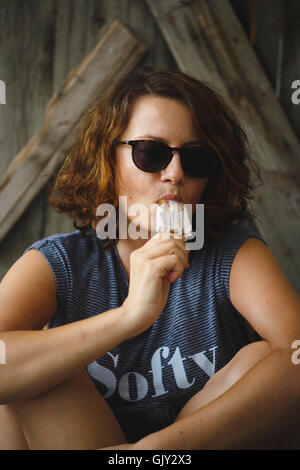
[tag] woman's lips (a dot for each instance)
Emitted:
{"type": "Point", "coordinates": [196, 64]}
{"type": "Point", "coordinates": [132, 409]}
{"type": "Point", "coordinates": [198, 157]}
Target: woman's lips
{"type": "Point", "coordinates": [169, 197]}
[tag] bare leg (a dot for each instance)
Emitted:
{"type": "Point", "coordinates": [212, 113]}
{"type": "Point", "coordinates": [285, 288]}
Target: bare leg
{"type": "Point", "coordinates": [72, 415]}
{"type": "Point", "coordinates": [246, 358]}
{"type": "Point", "coordinates": [11, 433]}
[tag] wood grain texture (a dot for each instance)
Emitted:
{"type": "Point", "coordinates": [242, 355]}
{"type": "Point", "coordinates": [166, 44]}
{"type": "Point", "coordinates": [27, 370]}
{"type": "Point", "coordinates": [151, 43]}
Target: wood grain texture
{"type": "Point", "coordinates": [219, 52]}
{"type": "Point", "coordinates": [267, 44]}
{"type": "Point", "coordinates": [59, 34]}
{"type": "Point", "coordinates": [78, 27]}
{"type": "Point", "coordinates": [26, 57]}
{"type": "Point", "coordinates": [41, 42]}
{"type": "Point", "coordinates": [291, 61]}
{"type": "Point", "coordinates": [116, 54]}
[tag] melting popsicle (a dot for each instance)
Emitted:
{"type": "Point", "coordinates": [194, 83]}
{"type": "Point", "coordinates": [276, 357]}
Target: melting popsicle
{"type": "Point", "coordinates": [172, 216]}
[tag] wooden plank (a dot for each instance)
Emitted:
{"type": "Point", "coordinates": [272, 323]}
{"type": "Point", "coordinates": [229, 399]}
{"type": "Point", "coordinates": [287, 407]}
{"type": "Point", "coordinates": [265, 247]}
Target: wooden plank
{"type": "Point", "coordinates": [78, 28]}
{"type": "Point", "coordinates": [219, 52]}
{"type": "Point", "coordinates": [25, 60]}
{"type": "Point", "coordinates": [39, 47]}
{"type": "Point", "coordinates": [135, 14]}
{"type": "Point", "coordinates": [291, 60]}
{"type": "Point", "coordinates": [77, 32]}
{"type": "Point", "coordinates": [270, 14]}
{"type": "Point", "coordinates": [268, 39]}
{"type": "Point", "coordinates": [116, 54]}
{"type": "Point", "coordinates": [26, 56]}
{"type": "Point", "coordinates": [243, 10]}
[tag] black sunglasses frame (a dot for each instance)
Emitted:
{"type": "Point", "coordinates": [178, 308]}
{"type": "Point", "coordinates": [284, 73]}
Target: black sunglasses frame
{"type": "Point", "coordinates": [170, 150]}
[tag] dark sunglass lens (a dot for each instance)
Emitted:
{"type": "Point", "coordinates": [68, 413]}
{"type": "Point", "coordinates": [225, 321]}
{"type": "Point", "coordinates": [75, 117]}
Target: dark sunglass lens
{"type": "Point", "coordinates": [199, 162]}
{"type": "Point", "coordinates": [150, 156]}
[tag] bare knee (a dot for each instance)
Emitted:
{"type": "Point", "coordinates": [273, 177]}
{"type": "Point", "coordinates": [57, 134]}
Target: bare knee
{"type": "Point", "coordinates": [11, 433]}
{"type": "Point", "coordinates": [72, 415]}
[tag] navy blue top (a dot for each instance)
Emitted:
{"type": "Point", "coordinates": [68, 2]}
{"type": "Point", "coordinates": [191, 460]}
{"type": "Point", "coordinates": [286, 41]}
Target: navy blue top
{"type": "Point", "coordinates": [147, 379]}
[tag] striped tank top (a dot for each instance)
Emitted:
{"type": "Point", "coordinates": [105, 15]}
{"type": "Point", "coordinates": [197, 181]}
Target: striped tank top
{"type": "Point", "coordinates": [147, 379]}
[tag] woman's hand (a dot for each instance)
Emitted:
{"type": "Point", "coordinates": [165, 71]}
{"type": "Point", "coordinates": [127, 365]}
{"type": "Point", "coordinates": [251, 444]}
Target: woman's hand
{"type": "Point", "coordinates": [152, 268]}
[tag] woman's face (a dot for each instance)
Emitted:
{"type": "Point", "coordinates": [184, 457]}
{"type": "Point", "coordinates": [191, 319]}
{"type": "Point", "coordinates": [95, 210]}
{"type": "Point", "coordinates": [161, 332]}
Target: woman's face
{"type": "Point", "coordinates": [169, 121]}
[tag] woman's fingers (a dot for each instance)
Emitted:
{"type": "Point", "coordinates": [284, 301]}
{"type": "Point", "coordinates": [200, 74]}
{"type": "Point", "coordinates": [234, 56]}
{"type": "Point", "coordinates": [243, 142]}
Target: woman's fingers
{"type": "Point", "coordinates": [166, 247]}
{"type": "Point", "coordinates": [152, 268]}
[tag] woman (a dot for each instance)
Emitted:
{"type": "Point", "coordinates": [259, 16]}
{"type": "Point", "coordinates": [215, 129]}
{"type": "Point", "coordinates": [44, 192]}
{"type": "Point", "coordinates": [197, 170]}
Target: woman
{"type": "Point", "coordinates": [149, 345]}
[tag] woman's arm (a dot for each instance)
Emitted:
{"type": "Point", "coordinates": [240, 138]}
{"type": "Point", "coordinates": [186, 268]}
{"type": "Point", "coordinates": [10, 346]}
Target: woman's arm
{"type": "Point", "coordinates": [37, 359]}
{"type": "Point", "coordinates": [265, 402]}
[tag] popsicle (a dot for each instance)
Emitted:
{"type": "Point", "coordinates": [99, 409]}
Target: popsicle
{"type": "Point", "coordinates": [173, 216]}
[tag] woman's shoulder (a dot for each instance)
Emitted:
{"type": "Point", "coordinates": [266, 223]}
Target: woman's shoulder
{"type": "Point", "coordinates": [71, 241]}
{"type": "Point", "coordinates": [70, 252]}
{"type": "Point", "coordinates": [71, 256]}
{"type": "Point", "coordinates": [216, 257]}
{"type": "Point", "coordinates": [233, 237]}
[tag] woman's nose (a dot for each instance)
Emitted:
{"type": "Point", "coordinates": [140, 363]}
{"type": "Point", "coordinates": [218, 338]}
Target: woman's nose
{"type": "Point", "coordinates": [173, 172]}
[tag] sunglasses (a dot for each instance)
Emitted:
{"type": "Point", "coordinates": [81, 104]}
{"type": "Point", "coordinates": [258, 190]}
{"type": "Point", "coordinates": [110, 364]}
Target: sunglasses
{"type": "Point", "coordinates": [153, 156]}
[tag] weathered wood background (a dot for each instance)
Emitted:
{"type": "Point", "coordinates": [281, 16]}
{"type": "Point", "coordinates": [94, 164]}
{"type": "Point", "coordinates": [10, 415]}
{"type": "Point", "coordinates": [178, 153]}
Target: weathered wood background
{"type": "Point", "coordinates": [41, 42]}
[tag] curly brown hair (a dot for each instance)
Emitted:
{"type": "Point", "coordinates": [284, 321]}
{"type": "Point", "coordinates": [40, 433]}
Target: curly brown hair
{"type": "Point", "coordinates": [86, 178]}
